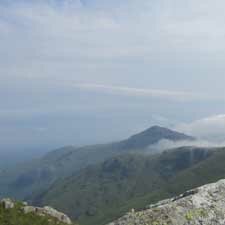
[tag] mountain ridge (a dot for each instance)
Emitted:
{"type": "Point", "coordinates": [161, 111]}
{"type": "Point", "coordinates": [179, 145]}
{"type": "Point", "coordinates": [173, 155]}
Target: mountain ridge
{"type": "Point", "coordinates": [122, 182]}
{"type": "Point", "coordinates": [39, 174]}
{"type": "Point", "coordinates": [152, 136]}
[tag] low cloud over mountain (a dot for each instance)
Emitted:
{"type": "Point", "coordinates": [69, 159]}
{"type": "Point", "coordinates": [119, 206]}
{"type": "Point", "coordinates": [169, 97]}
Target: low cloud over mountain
{"type": "Point", "coordinates": [210, 128]}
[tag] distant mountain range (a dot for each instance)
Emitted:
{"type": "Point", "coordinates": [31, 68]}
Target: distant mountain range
{"type": "Point", "coordinates": [38, 175]}
{"type": "Point", "coordinates": [105, 191]}
{"type": "Point", "coordinates": [98, 184]}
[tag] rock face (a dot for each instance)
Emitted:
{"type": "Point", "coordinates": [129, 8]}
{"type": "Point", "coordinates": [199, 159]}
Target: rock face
{"type": "Point", "coordinates": [58, 215]}
{"type": "Point", "coordinates": [49, 212]}
{"type": "Point", "coordinates": [201, 206]}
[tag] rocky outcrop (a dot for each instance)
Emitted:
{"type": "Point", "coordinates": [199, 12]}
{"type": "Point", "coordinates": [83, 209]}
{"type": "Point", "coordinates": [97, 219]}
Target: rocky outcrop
{"type": "Point", "coordinates": [7, 203]}
{"type": "Point", "coordinates": [45, 211]}
{"type": "Point", "coordinates": [49, 212]}
{"type": "Point", "coordinates": [201, 206]}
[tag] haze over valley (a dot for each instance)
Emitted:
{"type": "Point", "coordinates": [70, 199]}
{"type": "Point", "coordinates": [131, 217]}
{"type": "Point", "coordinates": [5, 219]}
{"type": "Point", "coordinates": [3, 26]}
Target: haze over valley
{"type": "Point", "coordinates": [112, 112]}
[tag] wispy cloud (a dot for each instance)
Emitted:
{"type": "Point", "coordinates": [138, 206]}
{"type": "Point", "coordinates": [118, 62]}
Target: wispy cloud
{"type": "Point", "coordinates": [67, 56]}
{"type": "Point", "coordinates": [142, 92]}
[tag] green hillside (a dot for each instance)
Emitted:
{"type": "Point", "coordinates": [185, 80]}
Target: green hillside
{"type": "Point", "coordinates": [101, 193]}
{"type": "Point", "coordinates": [38, 175]}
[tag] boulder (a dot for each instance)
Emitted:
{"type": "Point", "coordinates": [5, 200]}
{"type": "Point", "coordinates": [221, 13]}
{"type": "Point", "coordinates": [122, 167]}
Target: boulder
{"type": "Point", "coordinates": [49, 212]}
{"type": "Point", "coordinates": [25, 203]}
{"type": "Point", "coordinates": [7, 203]}
{"type": "Point", "coordinates": [58, 215]}
{"type": "Point", "coordinates": [29, 209]}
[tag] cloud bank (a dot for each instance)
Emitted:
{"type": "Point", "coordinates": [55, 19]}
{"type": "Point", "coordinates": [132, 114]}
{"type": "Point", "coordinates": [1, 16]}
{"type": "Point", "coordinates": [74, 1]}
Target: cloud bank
{"type": "Point", "coordinates": [210, 128]}
{"type": "Point", "coordinates": [167, 144]}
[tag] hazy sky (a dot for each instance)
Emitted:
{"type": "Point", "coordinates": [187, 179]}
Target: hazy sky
{"type": "Point", "coordinates": [88, 71]}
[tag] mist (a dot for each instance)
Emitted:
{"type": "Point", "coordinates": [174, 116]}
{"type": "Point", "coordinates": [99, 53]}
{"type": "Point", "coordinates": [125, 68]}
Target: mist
{"type": "Point", "coordinates": [167, 145]}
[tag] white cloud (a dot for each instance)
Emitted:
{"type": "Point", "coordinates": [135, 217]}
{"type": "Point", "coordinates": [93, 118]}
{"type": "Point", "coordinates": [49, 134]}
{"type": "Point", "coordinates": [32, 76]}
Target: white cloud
{"type": "Point", "coordinates": [167, 144]}
{"type": "Point", "coordinates": [141, 92]}
{"type": "Point", "coordinates": [134, 30]}
{"type": "Point", "coordinates": [210, 128]}
{"type": "Point", "coordinates": [155, 50]}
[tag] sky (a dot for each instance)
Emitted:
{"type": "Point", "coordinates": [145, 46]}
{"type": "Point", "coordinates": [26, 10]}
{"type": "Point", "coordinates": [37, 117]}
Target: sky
{"type": "Point", "coordinates": [78, 72]}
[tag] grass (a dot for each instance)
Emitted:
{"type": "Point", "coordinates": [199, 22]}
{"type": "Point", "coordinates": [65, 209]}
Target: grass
{"type": "Point", "coordinates": [15, 216]}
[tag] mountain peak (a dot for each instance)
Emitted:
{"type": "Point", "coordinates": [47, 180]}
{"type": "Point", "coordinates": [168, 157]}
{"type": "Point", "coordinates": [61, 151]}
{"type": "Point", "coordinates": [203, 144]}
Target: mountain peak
{"type": "Point", "coordinates": [153, 135]}
{"type": "Point", "coordinates": [156, 127]}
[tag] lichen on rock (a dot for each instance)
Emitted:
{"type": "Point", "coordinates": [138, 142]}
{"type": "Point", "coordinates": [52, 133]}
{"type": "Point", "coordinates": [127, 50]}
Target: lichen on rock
{"type": "Point", "coordinates": [204, 205]}
{"type": "Point", "coordinates": [49, 212]}
{"type": "Point", "coordinates": [9, 204]}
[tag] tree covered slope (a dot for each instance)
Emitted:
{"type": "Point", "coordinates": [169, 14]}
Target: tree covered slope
{"type": "Point", "coordinates": [39, 175]}
{"type": "Point", "coordinates": [101, 193]}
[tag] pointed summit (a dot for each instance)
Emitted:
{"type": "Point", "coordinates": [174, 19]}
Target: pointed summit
{"type": "Point", "coordinates": [152, 136]}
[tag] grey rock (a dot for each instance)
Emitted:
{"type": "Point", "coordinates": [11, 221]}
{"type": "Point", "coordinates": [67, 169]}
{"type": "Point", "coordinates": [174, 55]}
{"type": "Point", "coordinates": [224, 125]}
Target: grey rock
{"type": "Point", "coordinates": [58, 215]}
{"type": "Point", "coordinates": [29, 209]}
{"type": "Point", "coordinates": [46, 211]}
{"type": "Point", "coordinates": [25, 203]}
{"type": "Point", "coordinates": [49, 212]}
{"type": "Point", "coordinates": [7, 203]}
{"type": "Point", "coordinates": [201, 206]}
